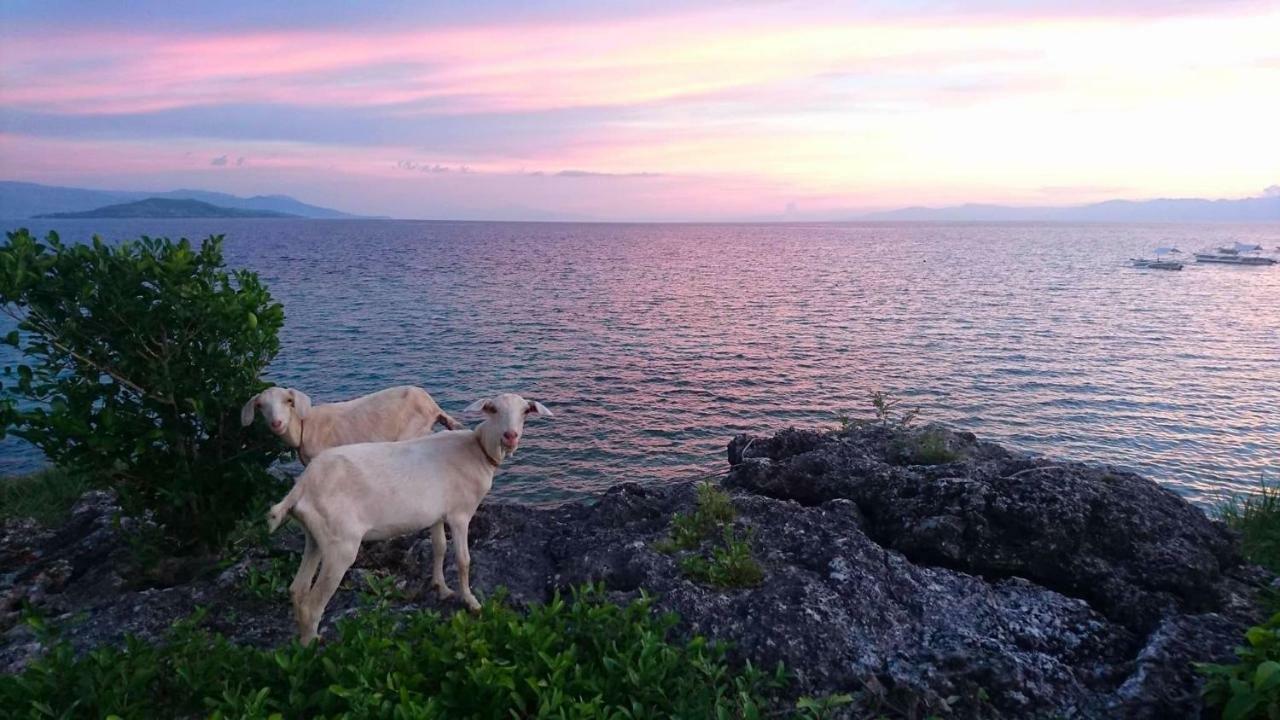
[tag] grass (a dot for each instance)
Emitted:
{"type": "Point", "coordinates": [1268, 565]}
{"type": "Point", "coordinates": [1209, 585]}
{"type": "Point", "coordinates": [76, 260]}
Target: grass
{"type": "Point", "coordinates": [46, 496]}
{"type": "Point", "coordinates": [1257, 518]}
{"type": "Point", "coordinates": [1250, 687]}
{"type": "Point", "coordinates": [730, 565]}
{"type": "Point", "coordinates": [577, 658]}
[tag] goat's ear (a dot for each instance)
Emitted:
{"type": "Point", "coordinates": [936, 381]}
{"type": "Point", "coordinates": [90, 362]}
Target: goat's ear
{"type": "Point", "coordinates": [246, 412]}
{"type": "Point", "coordinates": [477, 406]}
{"type": "Point", "coordinates": [539, 409]}
{"type": "Point", "coordinates": [301, 403]}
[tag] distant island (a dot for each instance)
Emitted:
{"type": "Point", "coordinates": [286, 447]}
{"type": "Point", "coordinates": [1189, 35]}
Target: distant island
{"type": "Point", "coordinates": [30, 200]}
{"type": "Point", "coordinates": [166, 208]}
{"type": "Point", "coordinates": [1265, 208]}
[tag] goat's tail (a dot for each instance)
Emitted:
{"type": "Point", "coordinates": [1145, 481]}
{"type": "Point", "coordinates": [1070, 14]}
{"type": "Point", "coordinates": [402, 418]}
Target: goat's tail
{"type": "Point", "coordinates": [280, 511]}
{"type": "Point", "coordinates": [449, 422]}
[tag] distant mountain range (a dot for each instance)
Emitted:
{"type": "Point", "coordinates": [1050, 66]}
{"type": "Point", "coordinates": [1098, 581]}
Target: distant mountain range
{"type": "Point", "coordinates": [1255, 209]}
{"type": "Point", "coordinates": [168, 208]}
{"type": "Point", "coordinates": [27, 200]}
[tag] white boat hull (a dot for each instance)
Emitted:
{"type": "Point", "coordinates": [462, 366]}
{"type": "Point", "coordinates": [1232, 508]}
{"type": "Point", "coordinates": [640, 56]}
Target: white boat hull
{"type": "Point", "coordinates": [1233, 260]}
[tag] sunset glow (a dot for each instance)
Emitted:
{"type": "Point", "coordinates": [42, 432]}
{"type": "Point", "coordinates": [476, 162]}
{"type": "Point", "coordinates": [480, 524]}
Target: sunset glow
{"type": "Point", "coordinates": [727, 111]}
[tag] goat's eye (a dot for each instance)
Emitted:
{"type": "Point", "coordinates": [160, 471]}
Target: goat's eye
{"type": "Point", "coordinates": [290, 401]}
{"type": "Point", "coordinates": [488, 407]}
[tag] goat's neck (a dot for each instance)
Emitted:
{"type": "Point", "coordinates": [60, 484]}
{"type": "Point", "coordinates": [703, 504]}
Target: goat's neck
{"type": "Point", "coordinates": [490, 443]}
{"type": "Point", "coordinates": [293, 433]}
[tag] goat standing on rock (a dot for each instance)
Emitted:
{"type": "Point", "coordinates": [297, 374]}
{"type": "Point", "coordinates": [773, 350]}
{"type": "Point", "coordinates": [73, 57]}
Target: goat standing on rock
{"type": "Point", "coordinates": [375, 491]}
{"type": "Point", "coordinates": [398, 413]}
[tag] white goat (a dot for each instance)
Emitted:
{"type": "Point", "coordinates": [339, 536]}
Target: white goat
{"type": "Point", "coordinates": [398, 413]}
{"type": "Point", "coordinates": [374, 491]}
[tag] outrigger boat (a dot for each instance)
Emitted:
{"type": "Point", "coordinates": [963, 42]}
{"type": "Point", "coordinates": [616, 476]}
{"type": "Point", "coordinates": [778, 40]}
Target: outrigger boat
{"type": "Point", "coordinates": [1159, 263]}
{"type": "Point", "coordinates": [1237, 254]}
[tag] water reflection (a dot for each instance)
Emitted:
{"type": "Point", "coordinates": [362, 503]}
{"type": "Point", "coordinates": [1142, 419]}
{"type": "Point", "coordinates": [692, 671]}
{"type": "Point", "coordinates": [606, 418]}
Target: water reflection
{"type": "Point", "coordinates": [655, 344]}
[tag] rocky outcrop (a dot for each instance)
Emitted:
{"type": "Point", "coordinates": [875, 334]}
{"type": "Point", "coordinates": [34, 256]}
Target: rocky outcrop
{"type": "Point", "coordinates": [989, 585]}
{"type": "Point", "coordinates": [1133, 549]}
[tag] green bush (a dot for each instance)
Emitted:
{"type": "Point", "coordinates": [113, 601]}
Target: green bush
{"type": "Point", "coordinates": [585, 658]}
{"type": "Point", "coordinates": [1249, 688]}
{"type": "Point", "coordinates": [138, 357]}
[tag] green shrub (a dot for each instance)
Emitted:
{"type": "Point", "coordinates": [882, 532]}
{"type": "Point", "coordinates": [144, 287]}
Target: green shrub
{"type": "Point", "coordinates": [138, 357]}
{"type": "Point", "coordinates": [1249, 688]}
{"type": "Point", "coordinates": [584, 658]}
{"type": "Point", "coordinates": [712, 509]}
{"type": "Point", "coordinates": [731, 565]}
{"type": "Point", "coordinates": [46, 496]}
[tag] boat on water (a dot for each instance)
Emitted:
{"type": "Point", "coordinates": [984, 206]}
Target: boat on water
{"type": "Point", "coordinates": [1159, 263]}
{"type": "Point", "coordinates": [1237, 254]}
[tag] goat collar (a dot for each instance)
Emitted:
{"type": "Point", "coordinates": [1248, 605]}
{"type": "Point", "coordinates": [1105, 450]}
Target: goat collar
{"type": "Point", "coordinates": [302, 428]}
{"type": "Point", "coordinates": [487, 456]}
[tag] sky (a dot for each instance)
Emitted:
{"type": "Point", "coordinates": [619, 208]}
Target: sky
{"type": "Point", "coordinates": [653, 110]}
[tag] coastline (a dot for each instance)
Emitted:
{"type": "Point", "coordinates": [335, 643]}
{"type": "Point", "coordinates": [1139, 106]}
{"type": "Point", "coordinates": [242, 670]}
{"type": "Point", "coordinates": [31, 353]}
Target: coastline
{"type": "Point", "coordinates": [924, 561]}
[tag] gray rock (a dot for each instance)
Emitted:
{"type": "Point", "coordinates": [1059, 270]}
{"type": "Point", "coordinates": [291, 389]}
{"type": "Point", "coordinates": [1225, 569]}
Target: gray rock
{"type": "Point", "coordinates": [994, 585]}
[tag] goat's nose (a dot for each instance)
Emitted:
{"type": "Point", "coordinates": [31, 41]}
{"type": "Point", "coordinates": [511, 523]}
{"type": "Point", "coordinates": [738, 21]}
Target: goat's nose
{"type": "Point", "coordinates": [277, 424]}
{"type": "Point", "coordinates": [510, 436]}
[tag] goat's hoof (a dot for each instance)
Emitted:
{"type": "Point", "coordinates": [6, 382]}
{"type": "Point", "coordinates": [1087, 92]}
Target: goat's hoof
{"type": "Point", "coordinates": [472, 604]}
{"type": "Point", "coordinates": [444, 593]}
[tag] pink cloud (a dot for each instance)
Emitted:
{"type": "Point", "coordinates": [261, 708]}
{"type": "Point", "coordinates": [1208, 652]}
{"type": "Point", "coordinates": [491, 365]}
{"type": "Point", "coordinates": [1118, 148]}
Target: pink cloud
{"type": "Point", "coordinates": [478, 69]}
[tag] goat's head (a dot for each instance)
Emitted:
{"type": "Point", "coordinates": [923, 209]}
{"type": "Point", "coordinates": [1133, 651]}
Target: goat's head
{"type": "Point", "coordinates": [504, 420]}
{"type": "Point", "coordinates": [278, 406]}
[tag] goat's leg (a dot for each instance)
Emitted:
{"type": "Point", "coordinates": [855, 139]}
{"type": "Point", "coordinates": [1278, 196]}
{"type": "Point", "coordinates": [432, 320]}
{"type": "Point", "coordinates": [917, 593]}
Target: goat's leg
{"type": "Point", "coordinates": [306, 572]}
{"type": "Point", "coordinates": [458, 526]}
{"type": "Point", "coordinates": [438, 548]}
{"type": "Point", "coordinates": [335, 559]}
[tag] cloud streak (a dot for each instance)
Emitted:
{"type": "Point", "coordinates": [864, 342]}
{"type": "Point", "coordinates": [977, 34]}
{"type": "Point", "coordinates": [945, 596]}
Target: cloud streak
{"type": "Point", "coordinates": [745, 106]}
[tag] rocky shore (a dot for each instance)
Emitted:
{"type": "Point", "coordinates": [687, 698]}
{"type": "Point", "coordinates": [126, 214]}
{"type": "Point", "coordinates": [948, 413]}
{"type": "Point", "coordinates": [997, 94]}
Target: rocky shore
{"type": "Point", "coordinates": [985, 584]}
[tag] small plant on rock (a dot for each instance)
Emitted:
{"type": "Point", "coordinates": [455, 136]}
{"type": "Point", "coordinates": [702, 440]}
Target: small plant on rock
{"type": "Point", "coordinates": [272, 582]}
{"type": "Point", "coordinates": [887, 412]}
{"type": "Point", "coordinates": [730, 566]}
{"type": "Point", "coordinates": [926, 448]}
{"type": "Point", "coordinates": [811, 708]}
{"type": "Point", "coordinates": [712, 509]}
